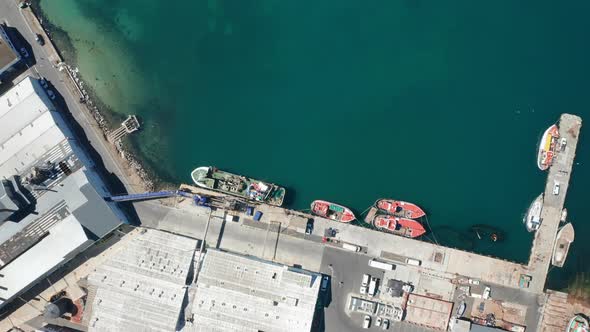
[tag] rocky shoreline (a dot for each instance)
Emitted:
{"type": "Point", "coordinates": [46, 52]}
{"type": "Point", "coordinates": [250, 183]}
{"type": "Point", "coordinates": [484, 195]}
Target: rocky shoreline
{"type": "Point", "coordinates": [106, 120]}
{"type": "Point", "coordinates": [132, 162]}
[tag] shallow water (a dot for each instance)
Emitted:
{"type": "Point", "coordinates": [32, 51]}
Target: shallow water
{"type": "Point", "coordinates": [438, 104]}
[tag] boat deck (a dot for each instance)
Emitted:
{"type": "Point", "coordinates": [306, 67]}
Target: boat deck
{"type": "Point", "coordinates": [565, 237]}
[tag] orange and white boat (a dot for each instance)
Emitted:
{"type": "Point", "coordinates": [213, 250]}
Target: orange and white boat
{"type": "Point", "coordinates": [400, 208]}
{"type": "Point", "coordinates": [332, 211]}
{"type": "Point", "coordinates": [547, 147]}
{"type": "Point", "coordinates": [397, 225]}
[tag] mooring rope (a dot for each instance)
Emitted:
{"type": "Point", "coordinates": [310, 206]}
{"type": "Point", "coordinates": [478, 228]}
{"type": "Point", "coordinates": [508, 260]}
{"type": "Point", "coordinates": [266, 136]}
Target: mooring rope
{"type": "Point", "coordinates": [432, 231]}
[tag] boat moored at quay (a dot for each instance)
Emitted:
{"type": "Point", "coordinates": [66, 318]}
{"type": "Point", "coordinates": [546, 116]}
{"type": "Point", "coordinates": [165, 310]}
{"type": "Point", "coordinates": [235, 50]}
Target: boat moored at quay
{"type": "Point", "coordinates": [547, 147]}
{"type": "Point", "coordinates": [332, 211]}
{"type": "Point", "coordinates": [238, 185]}
{"type": "Point", "coordinates": [398, 225]}
{"type": "Point", "coordinates": [532, 219]}
{"type": "Point", "coordinates": [400, 208]}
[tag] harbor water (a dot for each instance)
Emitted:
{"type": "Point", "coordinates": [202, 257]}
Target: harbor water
{"type": "Point", "coordinates": [439, 104]}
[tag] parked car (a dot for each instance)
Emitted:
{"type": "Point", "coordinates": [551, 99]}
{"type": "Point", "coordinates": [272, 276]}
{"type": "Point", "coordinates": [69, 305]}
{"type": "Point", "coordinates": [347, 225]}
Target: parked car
{"type": "Point", "coordinates": [378, 322]}
{"type": "Point", "coordinates": [556, 188]}
{"type": "Point", "coordinates": [43, 83]}
{"type": "Point", "coordinates": [325, 283]}
{"type": "Point", "coordinates": [39, 39]}
{"type": "Point", "coordinates": [24, 52]}
{"type": "Point", "coordinates": [367, 322]}
{"type": "Point", "coordinates": [385, 324]}
{"type": "Point", "coordinates": [51, 94]}
{"type": "Point", "coordinates": [486, 293]}
{"type": "Point", "coordinates": [309, 227]}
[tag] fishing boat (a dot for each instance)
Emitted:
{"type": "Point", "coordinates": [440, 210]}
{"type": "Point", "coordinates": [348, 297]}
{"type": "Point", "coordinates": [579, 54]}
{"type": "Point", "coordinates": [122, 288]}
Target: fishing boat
{"type": "Point", "coordinates": [547, 147]}
{"type": "Point", "coordinates": [238, 185]}
{"type": "Point", "coordinates": [332, 211]}
{"type": "Point", "coordinates": [565, 237]}
{"type": "Point", "coordinates": [400, 208]}
{"type": "Point", "coordinates": [398, 225]}
{"type": "Point", "coordinates": [532, 219]}
{"type": "Point", "coordinates": [577, 324]}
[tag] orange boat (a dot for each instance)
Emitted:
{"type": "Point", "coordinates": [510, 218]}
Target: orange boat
{"type": "Point", "coordinates": [400, 208]}
{"type": "Point", "coordinates": [547, 147]}
{"type": "Point", "coordinates": [397, 225]}
{"type": "Point", "coordinates": [332, 211]}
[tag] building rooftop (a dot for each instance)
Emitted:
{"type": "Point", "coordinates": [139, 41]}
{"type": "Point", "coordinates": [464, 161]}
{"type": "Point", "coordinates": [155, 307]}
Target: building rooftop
{"type": "Point", "coordinates": [142, 288]}
{"type": "Point", "coordinates": [428, 312]}
{"type": "Point", "coordinates": [67, 213]}
{"type": "Point", "coordinates": [242, 293]}
{"type": "Point", "coordinates": [8, 54]}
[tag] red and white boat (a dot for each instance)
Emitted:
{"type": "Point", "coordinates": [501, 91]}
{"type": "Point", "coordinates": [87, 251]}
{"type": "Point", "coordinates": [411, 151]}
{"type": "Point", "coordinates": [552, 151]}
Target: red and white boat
{"type": "Point", "coordinates": [400, 208]}
{"type": "Point", "coordinates": [547, 147]}
{"type": "Point", "coordinates": [398, 225]}
{"type": "Point", "coordinates": [332, 211]}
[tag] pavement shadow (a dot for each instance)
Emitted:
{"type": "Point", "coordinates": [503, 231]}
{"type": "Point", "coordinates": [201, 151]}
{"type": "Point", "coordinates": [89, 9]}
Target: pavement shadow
{"type": "Point", "coordinates": [112, 181]}
{"type": "Point", "coordinates": [20, 43]}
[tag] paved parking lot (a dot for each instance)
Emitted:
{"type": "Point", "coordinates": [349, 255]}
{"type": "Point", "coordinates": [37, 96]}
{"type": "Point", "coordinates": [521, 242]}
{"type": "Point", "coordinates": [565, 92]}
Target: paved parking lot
{"type": "Point", "coordinates": [347, 271]}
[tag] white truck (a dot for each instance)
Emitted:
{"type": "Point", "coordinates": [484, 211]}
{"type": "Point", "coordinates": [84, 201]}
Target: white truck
{"type": "Point", "coordinates": [411, 261]}
{"type": "Point", "coordinates": [351, 247]}
{"type": "Point", "coordinates": [381, 265]}
{"type": "Point", "coordinates": [372, 287]}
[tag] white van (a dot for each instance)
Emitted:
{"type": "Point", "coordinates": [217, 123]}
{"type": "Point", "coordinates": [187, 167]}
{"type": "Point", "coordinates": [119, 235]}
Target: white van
{"type": "Point", "coordinates": [411, 261]}
{"type": "Point", "coordinates": [364, 284]}
{"type": "Point", "coordinates": [366, 279]}
{"type": "Point", "coordinates": [351, 247]}
{"type": "Point", "coordinates": [556, 188]}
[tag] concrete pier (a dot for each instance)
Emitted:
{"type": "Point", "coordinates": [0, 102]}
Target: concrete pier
{"type": "Point", "coordinates": [559, 175]}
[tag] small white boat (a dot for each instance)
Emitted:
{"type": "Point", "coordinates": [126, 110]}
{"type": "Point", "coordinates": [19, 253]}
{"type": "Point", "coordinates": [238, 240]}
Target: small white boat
{"type": "Point", "coordinates": [532, 219]}
{"type": "Point", "coordinates": [563, 215]}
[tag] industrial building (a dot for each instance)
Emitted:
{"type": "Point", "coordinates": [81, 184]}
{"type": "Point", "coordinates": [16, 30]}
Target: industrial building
{"type": "Point", "coordinates": [51, 198]}
{"type": "Point", "coordinates": [143, 287]}
{"type": "Point", "coordinates": [9, 56]}
{"type": "Point", "coordinates": [244, 293]}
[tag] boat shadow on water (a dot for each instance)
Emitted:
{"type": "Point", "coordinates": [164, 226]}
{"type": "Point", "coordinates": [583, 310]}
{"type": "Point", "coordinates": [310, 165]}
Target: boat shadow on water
{"type": "Point", "coordinates": [290, 197]}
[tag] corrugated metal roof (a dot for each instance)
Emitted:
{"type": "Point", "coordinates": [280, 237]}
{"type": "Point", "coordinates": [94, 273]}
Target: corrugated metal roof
{"type": "Point", "coordinates": [143, 287]}
{"type": "Point", "coordinates": [239, 293]}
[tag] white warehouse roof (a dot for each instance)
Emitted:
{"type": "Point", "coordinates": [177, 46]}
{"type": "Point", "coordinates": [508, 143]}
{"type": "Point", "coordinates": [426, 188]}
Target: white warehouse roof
{"type": "Point", "coordinates": [240, 293]}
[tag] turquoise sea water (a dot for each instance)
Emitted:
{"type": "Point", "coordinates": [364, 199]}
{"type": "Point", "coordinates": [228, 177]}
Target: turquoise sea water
{"type": "Point", "coordinates": [441, 104]}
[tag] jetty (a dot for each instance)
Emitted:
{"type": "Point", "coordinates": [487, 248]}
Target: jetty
{"type": "Point", "coordinates": [131, 124]}
{"type": "Point", "coordinates": [558, 179]}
